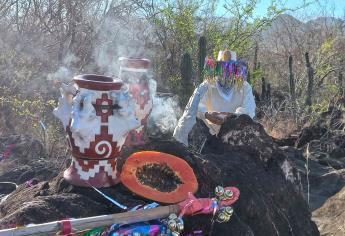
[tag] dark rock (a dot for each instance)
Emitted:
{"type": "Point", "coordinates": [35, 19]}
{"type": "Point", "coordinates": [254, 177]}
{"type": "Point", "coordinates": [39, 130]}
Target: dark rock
{"type": "Point", "coordinates": [310, 133]}
{"type": "Point", "coordinates": [27, 159]}
{"type": "Point", "coordinates": [7, 187]}
{"type": "Point", "coordinates": [198, 136]}
{"type": "Point", "coordinates": [322, 181]}
{"type": "Point", "coordinates": [325, 138]}
{"type": "Point", "coordinates": [333, 119]}
{"type": "Point", "coordinates": [338, 165]}
{"type": "Point", "coordinates": [243, 155]}
{"type": "Point", "coordinates": [330, 217]}
{"type": "Point", "coordinates": [288, 141]}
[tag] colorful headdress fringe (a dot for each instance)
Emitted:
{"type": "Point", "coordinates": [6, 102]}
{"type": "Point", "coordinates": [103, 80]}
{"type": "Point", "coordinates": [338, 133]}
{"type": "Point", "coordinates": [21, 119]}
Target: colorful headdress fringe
{"type": "Point", "coordinates": [233, 71]}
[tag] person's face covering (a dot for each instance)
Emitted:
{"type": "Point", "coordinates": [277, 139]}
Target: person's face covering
{"type": "Point", "coordinates": [225, 82]}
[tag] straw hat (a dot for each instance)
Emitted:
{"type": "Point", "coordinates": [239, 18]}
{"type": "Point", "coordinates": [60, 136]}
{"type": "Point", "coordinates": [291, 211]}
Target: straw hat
{"type": "Point", "coordinates": [226, 71]}
{"type": "Point", "coordinates": [226, 55]}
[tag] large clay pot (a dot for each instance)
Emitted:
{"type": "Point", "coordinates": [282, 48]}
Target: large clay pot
{"type": "Point", "coordinates": [133, 71]}
{"type": "Point", "coordinates": [97, 113]}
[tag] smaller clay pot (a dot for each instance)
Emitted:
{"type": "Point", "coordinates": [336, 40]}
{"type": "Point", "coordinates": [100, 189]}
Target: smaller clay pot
{"type": "Point", "coordinates": [133, 71]}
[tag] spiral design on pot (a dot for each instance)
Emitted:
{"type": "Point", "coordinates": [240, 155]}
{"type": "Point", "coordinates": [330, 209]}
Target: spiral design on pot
{"type": "Point", "coordinates": [103, 148]}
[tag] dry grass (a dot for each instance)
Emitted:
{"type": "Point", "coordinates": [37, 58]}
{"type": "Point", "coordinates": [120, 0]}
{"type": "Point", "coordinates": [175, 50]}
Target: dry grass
{"type": "Point", "coordinates": [7, 165]}
{"type": "Point", "coordinates": [280, 128]}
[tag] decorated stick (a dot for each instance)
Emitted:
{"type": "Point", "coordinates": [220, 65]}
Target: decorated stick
{"type": "Point", "coordinates": [65, 227]}
{"type": "Point", "coordinates": [191, 206]}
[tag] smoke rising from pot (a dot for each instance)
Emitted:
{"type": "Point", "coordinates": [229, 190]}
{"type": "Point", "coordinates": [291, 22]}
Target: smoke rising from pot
{"type": "Point", "coordinates": [66, 71]}
{"type": "Point", "coordinates": [165, 113]}
{"type": "Point", "coordinates": [116, 39]}
{"type": "Point", "coordinates": [125, 39]}
{"type": "Point", "coordinates": [119, 39]}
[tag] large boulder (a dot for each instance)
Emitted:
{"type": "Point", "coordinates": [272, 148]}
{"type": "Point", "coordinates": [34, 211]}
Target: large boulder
{"type": "Point", "coordinates": [325, 138]}
{"type": "Point", "coordinates": [242, 155]}
{"type": "Point", "coordinates": [320, 165]}
{"type": "Point", "coordinates": [318, 182]}
{"type": "Point", "coordinates": [330, 218]}
{"type": "Point", "coordinates": [333, 119]}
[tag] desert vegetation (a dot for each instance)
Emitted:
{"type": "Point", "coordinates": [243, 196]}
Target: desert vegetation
{"type": "Point", "coordinates": [296, 62]}
{"type": "Point", "coordinates": [43, 42]}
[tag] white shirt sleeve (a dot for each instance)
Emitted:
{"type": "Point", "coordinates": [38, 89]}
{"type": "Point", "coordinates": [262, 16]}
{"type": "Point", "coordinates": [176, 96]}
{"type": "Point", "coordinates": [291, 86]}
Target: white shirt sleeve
{"type": "Point", "coordinates": [248, 103]}
{"type": "Point", "coordinates": [188, 119]}
{"type": "Point", "coordinates": [202, 109]}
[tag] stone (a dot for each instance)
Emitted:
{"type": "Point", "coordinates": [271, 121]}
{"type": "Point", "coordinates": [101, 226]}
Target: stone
{"type": "Point", "coordinates": [330, 218]}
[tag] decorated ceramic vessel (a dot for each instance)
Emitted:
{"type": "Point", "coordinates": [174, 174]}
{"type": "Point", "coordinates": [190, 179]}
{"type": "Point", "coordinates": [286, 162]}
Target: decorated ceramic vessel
{"type": "Point", "coordinates": [97, 113]}
{"type": "Point", "coordinates": [133, 71]}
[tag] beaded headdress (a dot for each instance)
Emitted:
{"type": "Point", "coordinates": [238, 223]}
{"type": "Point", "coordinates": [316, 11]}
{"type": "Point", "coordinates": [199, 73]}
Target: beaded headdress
{"type": "Point", "coordinates": [226, 71]}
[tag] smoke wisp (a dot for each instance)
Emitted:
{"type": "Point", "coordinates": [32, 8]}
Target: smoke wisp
{"type": "Point", "coordinates": [165, 114]}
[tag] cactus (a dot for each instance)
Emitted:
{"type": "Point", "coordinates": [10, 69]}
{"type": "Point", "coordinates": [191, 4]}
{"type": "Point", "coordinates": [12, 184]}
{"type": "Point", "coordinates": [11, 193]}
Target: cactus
{"type": "Point", "coordinates": [248, 76]}
{"type": "Point", "coordinates": [263, 88]}
{"type": "Point", "coordinates": [268, 92]}
{"type": "Point", "coordinates": [255, 63]}
{"type": "Point", "coordinates": [201, 55]}
{"type": "Point", "coordinates": [186, 76]}
{"type": "Point", "coordinates": [292, 86]}
{"type": "Point", "coordinates": [341, 85]}
{"type": "Point", "coordinates": [310, 70]}
{"type": "Point", "coordinates": [292, 80]}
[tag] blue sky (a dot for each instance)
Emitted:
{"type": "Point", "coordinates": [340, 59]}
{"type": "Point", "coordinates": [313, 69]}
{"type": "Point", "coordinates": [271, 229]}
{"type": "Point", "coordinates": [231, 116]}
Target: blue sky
{"type": "Point", "coordinates": [316, 8]}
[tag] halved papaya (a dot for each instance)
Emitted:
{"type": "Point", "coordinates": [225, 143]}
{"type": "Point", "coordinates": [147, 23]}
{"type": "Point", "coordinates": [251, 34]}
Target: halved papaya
{"type": "Point", "coordinates": [159, 176]}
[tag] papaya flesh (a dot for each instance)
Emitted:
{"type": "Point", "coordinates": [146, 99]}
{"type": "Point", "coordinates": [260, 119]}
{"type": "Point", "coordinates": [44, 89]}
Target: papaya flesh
{"type": "Point", "coordinates": [159, 176]}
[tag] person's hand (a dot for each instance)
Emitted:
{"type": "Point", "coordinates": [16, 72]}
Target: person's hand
{"type": "Point", "coordinates": [217, 118]}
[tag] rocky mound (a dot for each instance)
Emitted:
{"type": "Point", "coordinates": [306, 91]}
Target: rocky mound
{"type": "Point", "coordinates": [24, 158]}
{"type": "Point", "coordinates": [322, 171]}
{"type": "Point", "coordinates": [326, 138]}
{"type": "Point", "coordinates": [318, 182]}
{"type": "Point", "coordinates": [330, 218]}
{"type": "Point", "coordinates": [243, 156]}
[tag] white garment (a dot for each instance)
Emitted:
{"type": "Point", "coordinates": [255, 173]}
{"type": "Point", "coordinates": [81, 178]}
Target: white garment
{"type": "Point", "coordinates": [188, 119]}
{"type": "Point", "coordinates": [241, 101]}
